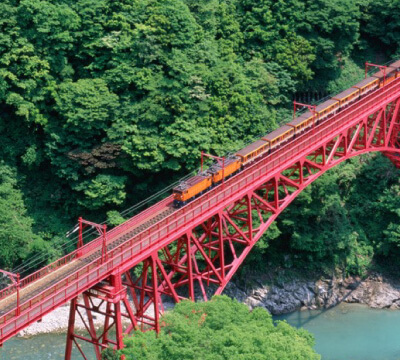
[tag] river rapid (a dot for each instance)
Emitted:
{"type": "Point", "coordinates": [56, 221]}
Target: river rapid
{"type": "Point", "coordinates": [345, 332]}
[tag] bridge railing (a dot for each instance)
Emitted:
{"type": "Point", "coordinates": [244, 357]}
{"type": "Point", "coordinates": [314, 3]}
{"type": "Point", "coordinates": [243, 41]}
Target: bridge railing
{"type": "Point", "coordinates": [38, 274]}
{"type": "Point", "coordinates": [184, 218]}
{"type": "Point", "coordinates": [87, 248]}
{"type": "Point", "coordinates": [122, 228]}
{"type": "Point", "coordinates": [8, 291]}
{"type": "Point", "coordinates": [48, 269]}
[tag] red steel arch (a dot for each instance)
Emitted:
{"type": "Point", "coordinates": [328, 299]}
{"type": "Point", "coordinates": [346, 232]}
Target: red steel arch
{"type": "Point", "coordinates": [217, 242]}
{"type": "Point", "coordinates": [194, 251]}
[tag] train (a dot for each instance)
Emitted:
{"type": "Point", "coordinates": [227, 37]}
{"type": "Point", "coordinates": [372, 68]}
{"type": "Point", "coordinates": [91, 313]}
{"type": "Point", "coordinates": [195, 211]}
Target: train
{"type": "Point", "coordinates": [197, 185]}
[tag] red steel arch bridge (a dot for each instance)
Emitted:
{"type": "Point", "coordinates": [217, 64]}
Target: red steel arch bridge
{"type": "Point", "coordinates": [195, 250]}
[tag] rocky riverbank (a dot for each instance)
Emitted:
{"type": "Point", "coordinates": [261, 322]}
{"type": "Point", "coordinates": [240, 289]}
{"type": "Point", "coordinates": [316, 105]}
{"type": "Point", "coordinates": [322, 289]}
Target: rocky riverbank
{"type": "Point", "coordinates": [277, 296]}
{"type": "Point", "coordinates": [57, 320]}
{"type": "Point", "coordinates": [288, 296]}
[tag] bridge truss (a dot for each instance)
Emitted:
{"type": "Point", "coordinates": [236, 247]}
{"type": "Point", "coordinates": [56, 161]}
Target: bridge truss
{"type": "Point", "coordinates": [165, 254]}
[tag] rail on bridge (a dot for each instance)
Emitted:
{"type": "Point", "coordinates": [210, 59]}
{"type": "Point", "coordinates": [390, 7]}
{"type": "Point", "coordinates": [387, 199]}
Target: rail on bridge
{"type": "Point", "coordinates": [194, 251]}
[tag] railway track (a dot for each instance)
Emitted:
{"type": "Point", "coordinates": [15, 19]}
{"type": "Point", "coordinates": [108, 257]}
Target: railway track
{"type": "Point", "coordinates": [35, 288]}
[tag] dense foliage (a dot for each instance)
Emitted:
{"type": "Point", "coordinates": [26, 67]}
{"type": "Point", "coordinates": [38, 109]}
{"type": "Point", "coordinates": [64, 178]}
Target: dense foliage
{"type": "Point", "coordinates": [220, 329]}
{"type": "Point", "coordinates": [105, 102]}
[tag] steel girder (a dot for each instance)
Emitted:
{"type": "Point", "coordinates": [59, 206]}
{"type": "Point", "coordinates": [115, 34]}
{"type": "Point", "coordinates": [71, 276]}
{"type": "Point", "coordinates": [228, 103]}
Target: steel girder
{"type": "Point", "coordinates": [108, 301]}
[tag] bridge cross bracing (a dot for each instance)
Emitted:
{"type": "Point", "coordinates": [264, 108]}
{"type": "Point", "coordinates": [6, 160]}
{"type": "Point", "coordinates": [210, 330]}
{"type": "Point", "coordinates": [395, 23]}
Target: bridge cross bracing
{"type": "Point", "coordinates": [194, 251]}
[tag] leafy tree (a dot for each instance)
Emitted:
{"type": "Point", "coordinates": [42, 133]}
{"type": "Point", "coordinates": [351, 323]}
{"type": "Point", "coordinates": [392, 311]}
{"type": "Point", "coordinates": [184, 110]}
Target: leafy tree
{"type": "Point", "coordinates": [85, 111]}
{"type": "Point", "coordinates": [350, 74]}
{"type": "Point", "coordinates": [380, 26]}
{"type": "Point", "coordinates": [269, 28]}
{"type": "Point", "coordinates": [332, 29]}
{"type": "Point", "coordinates": [16, 236]}
{"type": "Point", "coordinates": [51, 29]}
{"type": "Point", "coordinates": [220, 329]}
{"type": "Point", "coordinates": [190, 92]}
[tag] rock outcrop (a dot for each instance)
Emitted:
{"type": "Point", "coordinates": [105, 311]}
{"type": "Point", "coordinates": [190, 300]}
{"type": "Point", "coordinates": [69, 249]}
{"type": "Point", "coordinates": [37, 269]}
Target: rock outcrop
{"type": "Point", "coordinates": [286, 297]}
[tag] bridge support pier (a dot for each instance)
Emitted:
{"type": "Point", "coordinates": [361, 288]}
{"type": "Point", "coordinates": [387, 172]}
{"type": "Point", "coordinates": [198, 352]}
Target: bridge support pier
{"type": "Point", "coordinates": [104, 300]}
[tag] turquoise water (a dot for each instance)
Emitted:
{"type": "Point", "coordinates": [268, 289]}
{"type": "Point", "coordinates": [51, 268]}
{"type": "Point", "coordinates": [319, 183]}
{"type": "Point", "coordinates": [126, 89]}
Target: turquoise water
{"type": "Point", "coordinates": [41, 347]}
{"type": "Point", "coordinates": [352, 332]}
{"type": "Point", "coordinates": [346, 332]}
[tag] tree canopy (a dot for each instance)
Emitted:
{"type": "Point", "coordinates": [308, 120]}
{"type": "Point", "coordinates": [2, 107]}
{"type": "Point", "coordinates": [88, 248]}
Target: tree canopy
{"type": "Point", "coordinates": [220, 329]}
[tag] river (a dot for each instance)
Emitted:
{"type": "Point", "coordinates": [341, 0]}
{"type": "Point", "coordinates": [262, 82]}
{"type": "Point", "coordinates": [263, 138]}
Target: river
{"type": "Point", "coordinates": [351, 332]}
{"type": "Point", "coordinates": [346, 332]}
{"type": "Point", "coordinates": [40, 347]}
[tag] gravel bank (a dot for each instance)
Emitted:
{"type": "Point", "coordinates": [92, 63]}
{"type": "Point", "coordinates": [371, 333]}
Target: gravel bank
{"type": "Point", "coordinates": [57, 321]}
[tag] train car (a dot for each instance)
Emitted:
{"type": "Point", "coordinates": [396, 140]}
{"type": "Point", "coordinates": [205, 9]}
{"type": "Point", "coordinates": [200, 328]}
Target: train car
{"type": "Point", "coordinates": [231, 165]}
{"type": "Point", "coordinates": [190, 188]}
{"type": "Point", "coordinates": [326, 109]}
{"type": "Point", "coordinates": [347, 97]}
{"type": "Point", "coordinates": [302, 122]}
{"type": "Point", "coordinates": [250, 152]}
{"type": "Point", "coordinates": [387, 75]}
{"type": "Point", "coordinates": [396, 68]}
{"type": "Point", "coordinates": [279, 136]}
{"type": "Point", "coordinates": [367, 85]}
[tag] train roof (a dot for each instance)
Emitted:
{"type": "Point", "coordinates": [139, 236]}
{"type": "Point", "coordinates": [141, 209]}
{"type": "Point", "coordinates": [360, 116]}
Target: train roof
{"type": "Point", "coordinates": [325, 104]}
{"type": "Point", "coordinates": [395, 65]}
{"type": "Point", "coordinates": [308, 114]}
{"type": "Point", "coordinates": [345, 93]}
{"type": "Point", "coordinates": [380, 74]}
{"type": "Point", "coordinates": [250, 148]}
{"type": "Point", "coordinates": [227, 161]}
{"type": "Point", "coordinates": [184, 185]}
{"type": "Point", "coordinates": [364, 82]}
{"type": "Point", "coordinates": [277, 132]}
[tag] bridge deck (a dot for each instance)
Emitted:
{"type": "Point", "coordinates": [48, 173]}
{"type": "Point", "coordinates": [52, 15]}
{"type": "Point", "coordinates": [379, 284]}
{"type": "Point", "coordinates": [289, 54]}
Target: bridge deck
{"type": "Point", "coordinates": [163, 209]}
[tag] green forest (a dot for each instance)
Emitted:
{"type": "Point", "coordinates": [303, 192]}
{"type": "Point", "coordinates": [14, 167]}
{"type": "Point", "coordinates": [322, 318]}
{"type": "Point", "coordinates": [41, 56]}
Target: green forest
{"type": "Point", "coordinates": [105, 103]}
